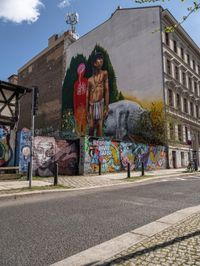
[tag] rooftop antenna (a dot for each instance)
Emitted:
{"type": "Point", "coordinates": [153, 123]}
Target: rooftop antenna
{"type": "Point", "coordinates": [72, 19]}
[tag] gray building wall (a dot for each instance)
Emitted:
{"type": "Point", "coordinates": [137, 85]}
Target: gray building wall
{"type": "Point", "coordinates": [134, 50]}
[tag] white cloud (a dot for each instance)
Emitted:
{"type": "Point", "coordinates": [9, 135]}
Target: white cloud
{"type": "Point", "coordinates": [64, 3]}
{"type": "Point", "coordinates": [20, 10]}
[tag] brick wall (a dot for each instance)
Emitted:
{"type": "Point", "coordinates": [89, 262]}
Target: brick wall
{"type": "Point", "coordinates": [46, 73]}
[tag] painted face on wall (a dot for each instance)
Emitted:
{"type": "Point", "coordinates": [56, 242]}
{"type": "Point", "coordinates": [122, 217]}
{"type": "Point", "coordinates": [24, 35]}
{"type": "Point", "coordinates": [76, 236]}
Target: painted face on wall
{"type": "Point", "coordinates": [81, 70]}
{"type": "Point", "coordinates": [43, 153]}
{"type": "Point", "coordinates": [98, 63]}
{"type": "Point", "coordinates": [26, 152]}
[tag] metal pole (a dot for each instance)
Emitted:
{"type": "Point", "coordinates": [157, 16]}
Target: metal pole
{"type": "Point", "coordinates": [56, 174]}
{"type": "Point", "coordinates": [32, 139]}
{"type": "Point", "coordinates": [28, 171]}
{"type": "Point", "coordinates": [99, 168]}
{"type": "Point", "coordinates": [128, 170]}
{"type": "Point", "coordinates": [142, 169]}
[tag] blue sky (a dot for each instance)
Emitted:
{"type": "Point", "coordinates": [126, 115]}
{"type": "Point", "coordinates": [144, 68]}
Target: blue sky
{"type": "Point", "coordinates": [26, 25]}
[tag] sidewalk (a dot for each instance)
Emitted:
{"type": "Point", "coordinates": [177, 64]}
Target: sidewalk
{"type": "Point", "coordinates": [90, 181]}
{"type": "Point", "coordinates": [171, 240]}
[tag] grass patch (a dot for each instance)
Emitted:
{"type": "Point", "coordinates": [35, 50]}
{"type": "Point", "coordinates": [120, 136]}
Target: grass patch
{"type": "Point", "coordinates": [34, 188]}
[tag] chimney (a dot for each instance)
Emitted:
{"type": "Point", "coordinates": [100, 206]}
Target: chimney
{"type": "Point", "coordinates": [52, 39]}
{"type": "Point", "coordinates": [13, 79]}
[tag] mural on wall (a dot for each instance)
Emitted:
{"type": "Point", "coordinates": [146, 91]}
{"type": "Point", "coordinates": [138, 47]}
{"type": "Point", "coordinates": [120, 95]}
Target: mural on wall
{"type": "Point", "coordinates": [6, 152]}
{"type": "Point", "coordinates": [67, 157]}
{"type": "Point", "coordinates": [115, 156]}
{"type": "Point", "coordinates": [103, 109]}
{"type": "Point", "coordinates": [104, 151]}
{"type": "Point", "coordinates": [24, 153]}
{"type": "Point", "coordinates": [47, 151]}
{"type": "Point", "coordinates": [153, 157]}
{"type": "Point", "coordinates": [127, 155]}
{"type": "Point", "coordinates": [43, 156]}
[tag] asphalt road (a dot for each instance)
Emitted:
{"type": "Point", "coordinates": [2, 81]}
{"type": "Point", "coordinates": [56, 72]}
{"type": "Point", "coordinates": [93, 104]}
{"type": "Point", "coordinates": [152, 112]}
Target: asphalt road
{"type": "Point", "coordinates": [45, 229]}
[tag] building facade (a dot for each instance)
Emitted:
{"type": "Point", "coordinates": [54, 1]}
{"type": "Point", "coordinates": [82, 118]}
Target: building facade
{"type": "Point", "coordinates": [45, 71]}
{"type": "Point", "coordinates": [152, 71]}
{"type": "Point", "coordinates": [181, 60]}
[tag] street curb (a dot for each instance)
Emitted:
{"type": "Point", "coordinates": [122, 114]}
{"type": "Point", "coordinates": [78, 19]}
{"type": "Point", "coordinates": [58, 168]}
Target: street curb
{"type": "Point", "coordinates": [98, 254]}
{"type": "Point", "coordinates": [15, 196]}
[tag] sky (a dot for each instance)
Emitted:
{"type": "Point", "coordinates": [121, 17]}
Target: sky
{"type": "Point", "coordinates": [26, 25]}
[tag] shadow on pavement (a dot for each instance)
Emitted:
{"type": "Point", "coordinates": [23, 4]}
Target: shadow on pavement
{"type": "Point", "coordinates": [150, 249]}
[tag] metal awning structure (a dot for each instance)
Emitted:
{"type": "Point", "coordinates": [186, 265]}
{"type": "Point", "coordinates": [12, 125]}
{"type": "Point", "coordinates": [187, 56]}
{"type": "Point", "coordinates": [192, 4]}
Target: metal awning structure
{"type": "Point", "coordinates": [10, 94]}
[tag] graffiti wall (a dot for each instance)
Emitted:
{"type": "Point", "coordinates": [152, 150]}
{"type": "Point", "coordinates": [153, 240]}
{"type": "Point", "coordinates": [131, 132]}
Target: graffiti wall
{"type": "Point", "coordinates": [24, 150]}
{"type": "Point", "coordinates": [47, 151]}
{"type": "Point", "coordinates": [115, 156]}
{"type": "Point", "coordinates": [44, 149]}
{"type": "Point", "coordinates": [104, 151]}
{"type": "Point", "coordinates": [153, 157]}
{"type": "Point", "coordinates": [110, 87]}
{"type": "Point", "coordinates": [7, 146]}
{"type": "Point", "coordinates": [67, 157]}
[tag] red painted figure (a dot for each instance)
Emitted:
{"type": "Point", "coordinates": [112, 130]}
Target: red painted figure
{"type": "Point", "coordinates": [80, 87]}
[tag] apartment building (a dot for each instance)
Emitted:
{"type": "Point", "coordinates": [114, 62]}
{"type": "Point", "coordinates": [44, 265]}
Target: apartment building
{"type": "Point", "coordinates": [150, 64]}
{"type": "Point", "coordinates": [181, 61]}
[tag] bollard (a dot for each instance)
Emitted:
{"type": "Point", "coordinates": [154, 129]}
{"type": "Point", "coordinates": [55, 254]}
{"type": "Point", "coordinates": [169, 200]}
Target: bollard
{"type": "Point", "coordinates": [56, 174]}
{"type": "Point", "coordinates": [99, 168]}
{"type": "Point", "coordinates": [28, 171]}
{"type": "Point", "coordinates": [142, 169]}
{"type": "Point", "coordinates": [128, 170]}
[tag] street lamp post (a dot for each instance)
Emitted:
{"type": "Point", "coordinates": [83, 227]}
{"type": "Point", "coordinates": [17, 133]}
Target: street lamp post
{"type": "Point", "coordinates": [34, 109]}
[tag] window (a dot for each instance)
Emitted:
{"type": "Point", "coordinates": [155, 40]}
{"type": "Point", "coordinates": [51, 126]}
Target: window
{"type": "Point", "coordinates": [169, 67]}
{"type": "Point", "coordinates": [199, 69]}
{"type": "Point", "coordinates": [194, 65]}
{"type": "Point", "coordinates": [167, 38]}
{"type": "Point", "coordinates": [186, 134]}
{"type": "Point", "coordinates": [184, 78]}
{"type": "Point", "coordinates": [176, 73]}
{"type": "Point", "coordinates": [182, 159]}
{"type": "Point", "coordinates": [195, 88]}
{"type": "Point", "coordinates": [170, 98]}
{"type": "Point", "coordinates": [185, 104]}
{"type": "Point", "coordinates": [178, 102]}
{"type": "Point", "coordinates": [171, 131]}
{"type": "Point", "coordinates": [191, 109]}
{"type": "Point", "coordinates": [179, 132]}
{"type": "Point", "coordinates": [188, 59]}
{"type": "Point", "coordinates": [189, 83]}
{"type": "Point", "coordinates": [182, 53]}
{"type": "Point", "coordinates": [197, 111]}
{"type": "Point", "coordinates": [175, 46]}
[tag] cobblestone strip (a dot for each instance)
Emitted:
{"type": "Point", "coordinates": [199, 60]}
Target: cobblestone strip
{"type": "Point", "coordinates": [79, 182]}
{"type": "Point", "coordinates": [177, 245]}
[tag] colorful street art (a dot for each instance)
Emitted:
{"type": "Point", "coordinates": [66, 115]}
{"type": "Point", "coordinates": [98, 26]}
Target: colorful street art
{"type": "Point", "coordinates": [24, 143]}
{"type": "Point", "coordinates": [44, 149]}
{"type": "Point", "coordinates": [67, 157]}
{"type": "Point", "coordinates": [115, 156]}
{"type": "Point", "coordinates": [105, 152]}
{"type": "Point", "coordinates": [6, 152]}
{"type": "Point", "coordinates": [126, 155]}
{"type": "Point", "coordinates": [97, 108]}
{"type": "Point", "coordinates": [153, 157]}
{"type": "Point", "coordinates": [48, 151]}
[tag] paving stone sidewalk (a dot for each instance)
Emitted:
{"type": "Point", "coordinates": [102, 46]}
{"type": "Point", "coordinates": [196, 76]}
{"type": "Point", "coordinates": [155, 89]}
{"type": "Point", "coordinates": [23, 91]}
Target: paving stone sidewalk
{"type": "Point", "coordinates": [177, 245]}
